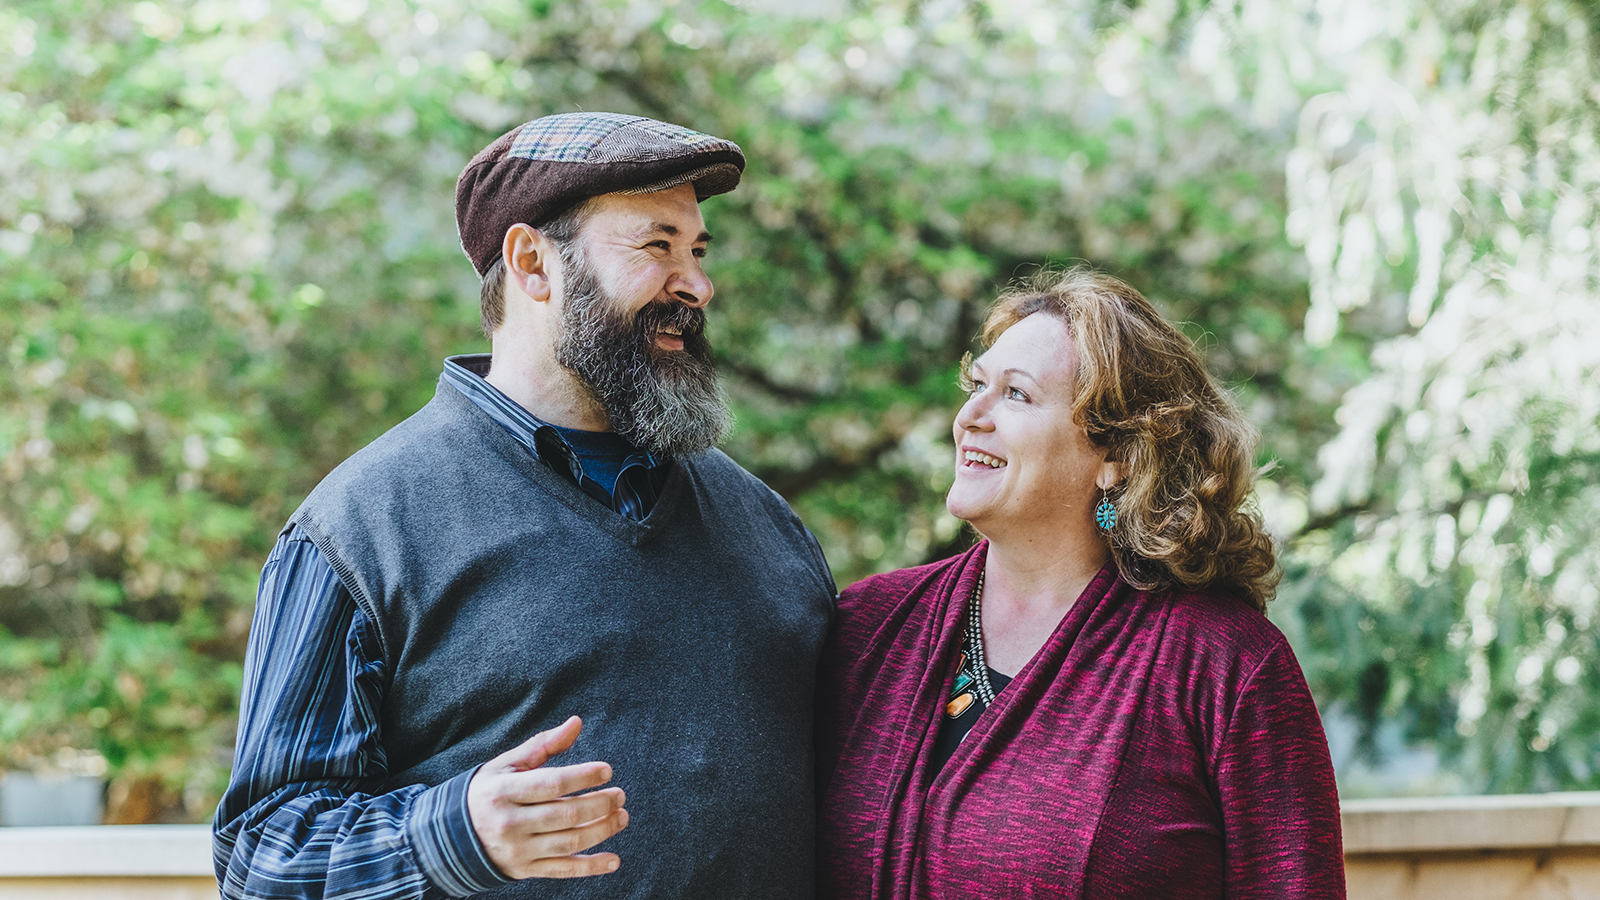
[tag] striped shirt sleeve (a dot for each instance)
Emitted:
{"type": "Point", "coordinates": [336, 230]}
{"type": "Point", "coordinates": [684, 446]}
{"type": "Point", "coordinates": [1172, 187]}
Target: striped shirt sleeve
{"type": "Point", "coordinates": [298, 818]}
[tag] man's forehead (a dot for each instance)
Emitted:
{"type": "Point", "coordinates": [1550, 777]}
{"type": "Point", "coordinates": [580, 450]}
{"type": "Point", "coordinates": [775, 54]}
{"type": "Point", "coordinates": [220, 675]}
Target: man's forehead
{"type": "Point", "coordinates": [672, 212]}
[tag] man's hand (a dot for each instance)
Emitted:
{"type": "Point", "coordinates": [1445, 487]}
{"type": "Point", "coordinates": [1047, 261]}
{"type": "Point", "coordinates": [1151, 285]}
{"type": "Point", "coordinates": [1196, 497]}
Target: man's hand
{"type": "Point", "coordinates": [527, 823]}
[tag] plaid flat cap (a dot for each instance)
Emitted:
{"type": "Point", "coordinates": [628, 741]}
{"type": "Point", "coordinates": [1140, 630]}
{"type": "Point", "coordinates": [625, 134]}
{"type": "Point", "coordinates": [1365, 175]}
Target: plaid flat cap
{"type": "Point", "coordinates": [540, 169]}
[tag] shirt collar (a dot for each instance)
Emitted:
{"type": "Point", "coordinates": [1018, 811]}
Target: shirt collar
{"type": "Point", "coordinates": [467, 374]}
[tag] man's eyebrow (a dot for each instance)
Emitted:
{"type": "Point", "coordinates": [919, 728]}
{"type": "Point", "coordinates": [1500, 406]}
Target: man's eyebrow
{"type": "Point", "coordinates": [670, 230]}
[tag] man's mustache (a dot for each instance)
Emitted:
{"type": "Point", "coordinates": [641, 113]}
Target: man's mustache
{"type": "Point", "coordinates": [690, 321]}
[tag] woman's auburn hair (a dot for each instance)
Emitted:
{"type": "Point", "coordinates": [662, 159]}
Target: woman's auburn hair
{"type": "Point", "coordinates": [1184, 511]}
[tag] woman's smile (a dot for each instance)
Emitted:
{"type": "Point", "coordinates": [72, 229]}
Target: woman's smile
{"type": "Point", "coordinates": [1021, 459]}
{"type": "Point", "coordinates": [978, 459]}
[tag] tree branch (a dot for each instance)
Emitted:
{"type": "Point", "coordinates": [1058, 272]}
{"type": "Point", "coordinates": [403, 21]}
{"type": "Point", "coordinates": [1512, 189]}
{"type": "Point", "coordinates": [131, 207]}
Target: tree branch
{"type": "Point", "coordinates": [792, 483]}
{"type": "Point", "coordinates": [758, 378]}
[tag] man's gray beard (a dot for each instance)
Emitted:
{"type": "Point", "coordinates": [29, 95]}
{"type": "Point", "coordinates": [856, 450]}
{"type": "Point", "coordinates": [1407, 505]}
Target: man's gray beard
{"type": "Point", "coordinates": [666, 403]}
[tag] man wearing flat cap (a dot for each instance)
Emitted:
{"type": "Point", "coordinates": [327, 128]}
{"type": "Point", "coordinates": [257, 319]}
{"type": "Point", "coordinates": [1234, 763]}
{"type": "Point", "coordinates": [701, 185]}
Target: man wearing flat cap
{"type": "Point", "coordinates": [550, 557]}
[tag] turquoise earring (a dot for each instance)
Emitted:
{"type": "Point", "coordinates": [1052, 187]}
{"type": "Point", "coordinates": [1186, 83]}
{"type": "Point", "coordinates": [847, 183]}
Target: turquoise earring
{"type": "Point", "coordinates": [1105, 515]}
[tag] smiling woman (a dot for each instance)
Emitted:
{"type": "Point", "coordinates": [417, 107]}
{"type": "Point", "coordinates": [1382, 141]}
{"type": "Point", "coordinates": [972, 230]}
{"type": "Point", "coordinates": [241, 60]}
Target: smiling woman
{"type": "Point", "coordinates": [1088, 703]}
{"type": "Point", "coordinates": [1024, 462]}
{"type": "Point", "coordinates": [1137, 389]}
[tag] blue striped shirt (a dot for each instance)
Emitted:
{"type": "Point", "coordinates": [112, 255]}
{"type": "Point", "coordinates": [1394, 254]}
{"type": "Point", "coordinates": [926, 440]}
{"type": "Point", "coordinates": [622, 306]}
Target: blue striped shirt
{"type": "Point", "coordinates": [296, 820]}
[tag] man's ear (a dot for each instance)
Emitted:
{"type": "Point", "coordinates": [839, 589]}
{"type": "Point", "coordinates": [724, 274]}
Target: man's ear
{"type": "Point", "coordinates": [528, 254]}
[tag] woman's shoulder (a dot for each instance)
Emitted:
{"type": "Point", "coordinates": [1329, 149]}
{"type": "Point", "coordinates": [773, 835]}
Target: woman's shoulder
{"type": "Point", "coordinates": [1215, 652]}
{"type": "Point", "coordinates": [1218, 625]}
{"type": "Point", "coordinates": [887, 587]}
{"type": "Point", "coordinates": [891, 605]}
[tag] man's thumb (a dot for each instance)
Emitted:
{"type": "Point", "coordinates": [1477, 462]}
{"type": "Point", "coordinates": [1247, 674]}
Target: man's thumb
{"type": "Point", "coordinates": [539, 749]}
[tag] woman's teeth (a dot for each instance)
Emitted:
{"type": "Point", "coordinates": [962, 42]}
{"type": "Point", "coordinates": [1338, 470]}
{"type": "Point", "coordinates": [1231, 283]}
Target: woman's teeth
{"type": "Point", "coordinates": [974, 456]}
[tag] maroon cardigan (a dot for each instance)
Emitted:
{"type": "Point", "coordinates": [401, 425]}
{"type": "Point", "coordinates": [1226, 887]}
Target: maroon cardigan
{"type": "Point", "coordinates": [1158, 745]}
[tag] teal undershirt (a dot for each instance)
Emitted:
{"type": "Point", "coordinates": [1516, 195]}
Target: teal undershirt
{"type": "Point", "coordinates": [601, 453]}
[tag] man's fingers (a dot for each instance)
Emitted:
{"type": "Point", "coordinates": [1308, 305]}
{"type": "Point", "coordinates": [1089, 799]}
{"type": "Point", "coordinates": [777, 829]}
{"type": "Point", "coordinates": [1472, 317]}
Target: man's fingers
{"type": "Point", "coordinates": [574, 866]}
{"type": "Point", "coordinates": [550, 783]}
{"type": "Point", "coordinates": [566, 813]}
{"type": "Point", "coordinates": [560, 854]}
{"type": "Point", "coordinates": [534, 821]}
{"type": "Point", "coordinates": [537, 750]}
{"type": "Point", "coordinates": [555, 845]}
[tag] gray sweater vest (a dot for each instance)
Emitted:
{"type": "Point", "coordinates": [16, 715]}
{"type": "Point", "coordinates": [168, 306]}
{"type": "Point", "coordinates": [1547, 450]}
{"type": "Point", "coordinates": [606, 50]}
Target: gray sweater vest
{"type": "Point", "coordinates": [507, 600]}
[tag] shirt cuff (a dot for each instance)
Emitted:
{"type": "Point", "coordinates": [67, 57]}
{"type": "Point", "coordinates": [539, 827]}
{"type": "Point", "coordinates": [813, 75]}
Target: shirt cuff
{"type": "Point", "coordinates": [447, 850]}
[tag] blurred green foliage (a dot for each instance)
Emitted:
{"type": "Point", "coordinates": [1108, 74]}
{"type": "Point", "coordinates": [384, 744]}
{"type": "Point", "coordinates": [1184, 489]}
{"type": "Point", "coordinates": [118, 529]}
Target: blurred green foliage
{"type": "Point", "coordinates": [227, 260]}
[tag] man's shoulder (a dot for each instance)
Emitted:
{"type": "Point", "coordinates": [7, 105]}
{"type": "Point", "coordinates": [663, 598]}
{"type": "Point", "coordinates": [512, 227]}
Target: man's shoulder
{"type": "Point", "coordinates": [420, 441]}
{"type": "Point", "coordinates": [734, 497]}
{"type": "Point", "coordinates": [714, 463]}
{"type": "Point", "coordinates": [419, 450]}
{"type": "Point", "coordinates": [718, 472]}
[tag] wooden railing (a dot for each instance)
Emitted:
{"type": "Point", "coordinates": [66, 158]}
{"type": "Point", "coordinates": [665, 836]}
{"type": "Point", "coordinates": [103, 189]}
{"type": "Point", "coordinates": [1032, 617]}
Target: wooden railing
{"type": "Point", "coordinates": [110, 862]}
{"type": "Point", "coordinates": [1517, 847]}
{"type": "Point", "coordinates": [1510, 847]}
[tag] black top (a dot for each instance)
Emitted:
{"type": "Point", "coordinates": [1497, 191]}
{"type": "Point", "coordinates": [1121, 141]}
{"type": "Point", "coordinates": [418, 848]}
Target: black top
{"type": "Point", "coordinates": [964, 706]}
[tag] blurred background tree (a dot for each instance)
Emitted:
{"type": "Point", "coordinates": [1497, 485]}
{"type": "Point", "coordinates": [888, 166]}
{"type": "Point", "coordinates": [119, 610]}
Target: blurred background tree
{"type": "Point", "coordinates": [227, 260]}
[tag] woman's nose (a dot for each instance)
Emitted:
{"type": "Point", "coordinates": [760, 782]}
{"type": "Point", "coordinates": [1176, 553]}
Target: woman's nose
{"type": "Point", "coordinates": [973, 415]}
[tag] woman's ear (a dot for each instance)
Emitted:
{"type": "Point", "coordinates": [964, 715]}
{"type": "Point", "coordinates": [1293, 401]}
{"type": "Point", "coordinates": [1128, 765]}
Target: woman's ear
{"type": "Point", "coordinates": [1110, 475]}
{"type": "Point", "coordinates": [527, 254]}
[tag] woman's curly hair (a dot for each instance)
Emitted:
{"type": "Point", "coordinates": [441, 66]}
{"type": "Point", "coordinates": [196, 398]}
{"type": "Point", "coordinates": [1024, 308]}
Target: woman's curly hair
{"type": "Point", "coordinates": [1184, 516]}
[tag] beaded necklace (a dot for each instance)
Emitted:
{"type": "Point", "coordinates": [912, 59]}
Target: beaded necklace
{"type": "Point", "coordinates": [980, 665]}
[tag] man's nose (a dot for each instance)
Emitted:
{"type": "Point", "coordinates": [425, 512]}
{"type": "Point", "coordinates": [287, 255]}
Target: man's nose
{"type": "Point", "coordinates": [691, 285]}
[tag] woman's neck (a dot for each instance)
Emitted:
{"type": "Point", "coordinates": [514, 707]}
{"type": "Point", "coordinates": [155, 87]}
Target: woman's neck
{"type": "Point", "coordinates": [1044, 566]}
{"type": "Point", "coordinates": [1028, 588]}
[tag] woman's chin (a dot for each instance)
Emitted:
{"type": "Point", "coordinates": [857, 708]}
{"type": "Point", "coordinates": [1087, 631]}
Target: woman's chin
{"type": "Point", "coordinates": [959, 506]}
{"type": "Point", "coordinates": [967, 509]}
